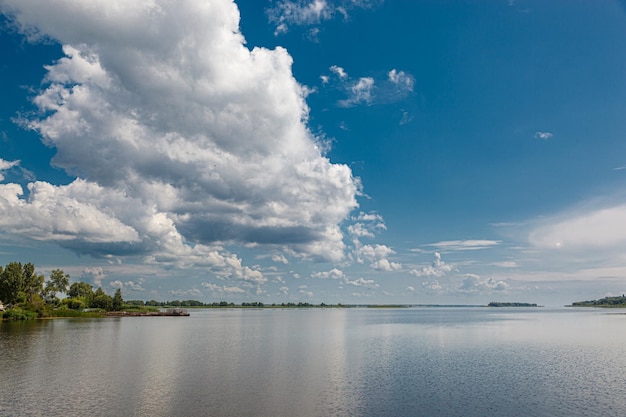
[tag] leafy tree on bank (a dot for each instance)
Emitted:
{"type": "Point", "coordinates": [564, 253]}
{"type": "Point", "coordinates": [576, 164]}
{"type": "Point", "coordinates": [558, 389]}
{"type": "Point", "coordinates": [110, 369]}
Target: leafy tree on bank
{"type": "Point", "coordinates": [58, 283]}
{"type": "Point", "coordinates": [19, 283]}
{"type": "Point", "coordinates": [101, 300]}
{"type": "Point", "coordinates": [33, 283]}
{"type": "Point", "coordinates": [117, 301]}
{"type": "Point", "coordinates": [81, 291]}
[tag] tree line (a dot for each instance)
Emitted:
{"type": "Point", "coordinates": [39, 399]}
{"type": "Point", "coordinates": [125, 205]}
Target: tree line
{"type": "Point", "coordinates": [24, 292]}
{"type": "Point", "coordinates": [615, 301]}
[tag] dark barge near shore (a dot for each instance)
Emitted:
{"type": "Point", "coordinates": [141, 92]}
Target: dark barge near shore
{"type": "Point", "coordinates": [170, 312]}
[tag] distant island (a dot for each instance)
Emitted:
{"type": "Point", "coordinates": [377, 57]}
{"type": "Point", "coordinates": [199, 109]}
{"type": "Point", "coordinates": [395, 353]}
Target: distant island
{"type": "Point", "coordinates": [508, 304]}
{"type": "Point", "coordinates": [615, 302]}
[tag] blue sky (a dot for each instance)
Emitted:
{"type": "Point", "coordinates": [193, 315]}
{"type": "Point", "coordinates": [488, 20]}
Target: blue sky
{"type": "Point", "coordinates": [360, 151]}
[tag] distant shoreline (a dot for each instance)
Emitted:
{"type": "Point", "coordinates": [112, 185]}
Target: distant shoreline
{"type": "Point", "coordinates": [509, 304]}
{"type": "Point", "coordinates": [606, 302]}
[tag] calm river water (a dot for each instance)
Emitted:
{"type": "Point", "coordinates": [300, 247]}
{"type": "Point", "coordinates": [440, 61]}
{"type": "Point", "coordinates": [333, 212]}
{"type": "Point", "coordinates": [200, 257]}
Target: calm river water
{"type": "Point", "coordinates": [332, 362]}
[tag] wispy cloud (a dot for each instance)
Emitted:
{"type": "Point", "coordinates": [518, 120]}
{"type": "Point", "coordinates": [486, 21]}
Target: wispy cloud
{"type": "Point", "coordinates": [543, 135]}
{"type": "Point", "coordinates": [403, 81]}
{"type": "Point", "coordinates": [360, 92]}
{"type": "Point", "coordinates": [286, 13]}
{"type": "Point", "coordinates": [506, 264]}
{"type": "Point", "coordinates": [368, 90]}
{"type": "Point", "coordinates": [583, 230]}
{"type": "Point", "coordinates": [465, 245]}
{"type": "Point", "coordinates": [5, 166]}
{"type": "Point", "coordinates": [278, 258]}
{"type": "Point", "coordinates": [406, 118]}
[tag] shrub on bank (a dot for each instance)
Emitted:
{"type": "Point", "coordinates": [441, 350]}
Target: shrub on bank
{"type": "Point", "coordinates": [19, 314]}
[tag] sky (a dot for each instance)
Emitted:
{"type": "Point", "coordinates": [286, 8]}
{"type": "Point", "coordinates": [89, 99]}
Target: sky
{"type": "Point", "coordinates": [336, 151]}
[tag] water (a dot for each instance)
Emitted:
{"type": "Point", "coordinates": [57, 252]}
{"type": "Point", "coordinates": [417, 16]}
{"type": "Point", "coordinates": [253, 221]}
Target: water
{"type": "Point", "coordinates": [333, 362]}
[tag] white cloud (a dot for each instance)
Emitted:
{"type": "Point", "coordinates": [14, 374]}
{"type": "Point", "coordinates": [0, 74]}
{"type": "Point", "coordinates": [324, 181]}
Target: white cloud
{"type": "Point", "coordinates": [371, 253]}
{"type": "Point", "coordinates": [368, 217]}
{"type": "Point", "coordinates": [222, 289]}
{"type": "Point", "coordinates": [134, 286]}
{"type": "Point", "coordinates": [183, 139]}
{"type": "Point", "coordinates": [473, 283]}
{"type": "Point", "coordinates": [377, 256]}
{"type": "Point", "coordinates": [366, 225]}
{"type": "Point", "coordinates": [433, 285]}
{"type": "Point", "coordinates": [94, 275]}
{"type": "Point", "coordinates": [78, 213]}
{"type": "Point", "coordinates": [361, 282]}
{"type": "Point", "coordinates": [192, 292]}
{"type": "Point", "coordinates": [403, 81]}
{"type": "Point", "coordinates": [303, 291]}
{"type": "Point", "coordinates": [211, 287]}
{"type": "Point", "coordinates": [125, 286]}
{"type": "Point", "coordinates": [340, 72]}
{"type": "Point", "coordinates": [233, 290]}
{"type": "Point", "coordinates": [332, 274]}
{"type": "Point", "coordinates": [116, 284]}
{"type": "Point", "coordinates": [386, 265]}
{"type": "Point", "coordinates": [287, 12]}
{"type": "Point", "coordinates": [543, 135]}
{"type": "Point", "coordinates": [359, 230]}
{"type": "Point", "coordinates": [374, 252]}
{"type": "Point", "coordinates": [438, 268]}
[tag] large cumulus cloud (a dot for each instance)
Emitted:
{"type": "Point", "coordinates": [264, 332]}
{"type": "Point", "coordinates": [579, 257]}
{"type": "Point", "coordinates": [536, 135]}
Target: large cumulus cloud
{"type": "Point", "coordinates": [181, 137]}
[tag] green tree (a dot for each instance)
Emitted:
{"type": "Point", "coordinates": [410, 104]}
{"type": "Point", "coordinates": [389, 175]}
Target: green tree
{"type": "Point", "coordinates": [73, 303]}
{"type": "Point", "coordinates": [58, 283]}
{"type": "Point", "coordinates": [18, 282]}
{"type": "Point", "coordinates": [80, 289]}
{"type": "Point", "coordinates": [11, 283]}
{"type": "Point", "coordinates": [33, 283]}
{"type": "Point", "coordinates": [117, 301]}
{"type": "Point", "coordinates": [101, 300]}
